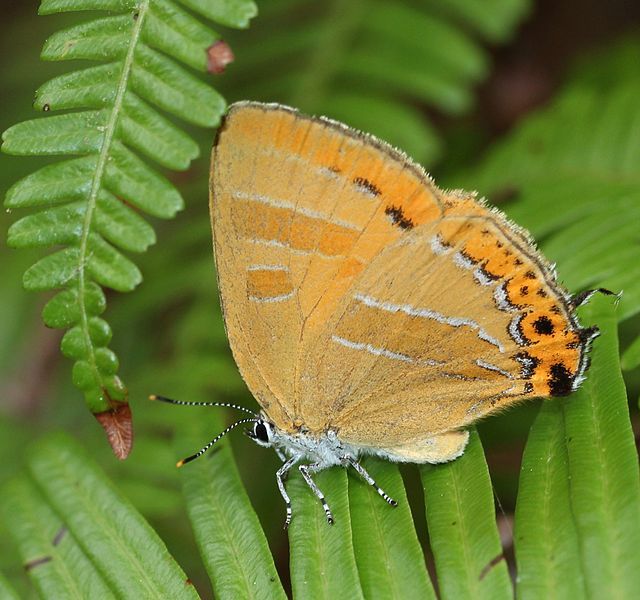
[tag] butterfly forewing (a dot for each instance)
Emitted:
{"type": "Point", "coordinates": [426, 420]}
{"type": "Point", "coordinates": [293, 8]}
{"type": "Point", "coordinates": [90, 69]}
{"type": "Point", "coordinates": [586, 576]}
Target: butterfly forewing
{"type": "Point", "coordinates": [295, 221]}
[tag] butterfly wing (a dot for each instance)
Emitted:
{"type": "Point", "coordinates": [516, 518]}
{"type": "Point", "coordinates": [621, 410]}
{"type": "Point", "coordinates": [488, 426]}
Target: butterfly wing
{"type": "Point", "coordinates": [294, 223]}
{"type": "Point", "coordinates": [458, 318]}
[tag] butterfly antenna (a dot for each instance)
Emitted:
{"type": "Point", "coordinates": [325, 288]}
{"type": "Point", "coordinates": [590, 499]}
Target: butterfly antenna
{"type": "Point", "coordinates": [184, 403]}
{"type": "Point", "coordinates": [213, 441]}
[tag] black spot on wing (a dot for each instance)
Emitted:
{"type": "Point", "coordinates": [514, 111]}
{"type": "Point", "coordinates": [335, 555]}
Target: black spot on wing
{"type": "Point", "coordinates": [560, 380]}
{"type": "Point", "coordinates": [367, 186]}
{"type": "Point", "coordinates": [543, 326]}
{"type": "Point", "coordinates": [398, 218]}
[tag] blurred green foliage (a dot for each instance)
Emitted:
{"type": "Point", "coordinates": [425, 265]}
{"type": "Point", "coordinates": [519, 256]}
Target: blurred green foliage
{"type": "Point", "coordinates": [405, 71]}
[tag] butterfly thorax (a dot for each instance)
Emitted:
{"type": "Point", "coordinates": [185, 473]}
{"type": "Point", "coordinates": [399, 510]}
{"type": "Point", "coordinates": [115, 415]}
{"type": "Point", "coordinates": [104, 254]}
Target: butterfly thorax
{"type": "Point", "coordinates": [325, 448]}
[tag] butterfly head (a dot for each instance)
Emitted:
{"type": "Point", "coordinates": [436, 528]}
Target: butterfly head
{"type": "Point", "coordinates": [262, 433]}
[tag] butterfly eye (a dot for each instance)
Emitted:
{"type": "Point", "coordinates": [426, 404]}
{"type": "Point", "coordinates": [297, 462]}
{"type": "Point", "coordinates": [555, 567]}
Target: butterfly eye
{"type": "Point", "coordinates": [261, 433]}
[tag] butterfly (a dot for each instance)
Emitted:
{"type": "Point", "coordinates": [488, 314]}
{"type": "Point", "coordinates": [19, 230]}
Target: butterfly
{"type": "Point", "coordinates": [369, 312]}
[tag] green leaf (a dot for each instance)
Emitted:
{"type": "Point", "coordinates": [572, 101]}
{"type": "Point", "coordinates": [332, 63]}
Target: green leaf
{"type": "Point", "coordinates": [51, 554]}
{"type": "Point", "coordinates": [73, 343]}
{"type": "Point", "coordinates": [122, 226]}
{"type": "Point", "coordinates": [109, 268]}
{"type": "Point", "coordinates": [53, 271]}
{"type": "Point", "coordinates": [145, 130]}
{"type": "Point", "coordinates": [158, 79]}
{"type": "Point", "coordinates": [73, 133]}
{"type": "Point", "coordinates": [462, 527]}
{"type": "Point", "coordinates": [6, 591]}
{"type": "Point", "coordinates": [102, 39]}
{"type": "Point", "coordinates": [177, 33]}
{"type": "Point", "coordinates": [93, 87]}
{"type": "Point", "coordinates": [63, 310]}
{"type": "Point", "coordinates": [492, 18]}
{"type": "Point", "coordinates": [65, 181]}
{"type": "Point", "coordinates": [578, 513]}
{"type": "Point", "coordinates": [420, 35]}
{"type": "Point", "coordinates": [406, 78]}
{"type": "Point", "coordinates": [231, 14]}
{"type": "Point", "coordinates": [60, 225]}
{"type": "Point", "coordinates": [322, 561]}
{"type": "Point", "coordinates": [49, 7]}
{"type": "Point", "coordinates": [388, 554]}
{"type": "Point", "coordinates": [390, 120]}
{"type": "Point", "coordinates": [85, 203]}
{"type": "Point", "coordinates": [98, 545]}
{"type": "Point", "coordinates": [127, 176]}
{"type": "Point", "coordinates": [229, 536]}
{"type": "Point", "coordinates": [631, 357]}
{"type": "Point", "coordinates": [545, 540]}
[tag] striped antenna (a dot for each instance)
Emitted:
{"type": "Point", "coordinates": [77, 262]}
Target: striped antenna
{"type": "Point", "coordinates": [184, 403]}
{"type": "Point", "coordinates": [213, 441]}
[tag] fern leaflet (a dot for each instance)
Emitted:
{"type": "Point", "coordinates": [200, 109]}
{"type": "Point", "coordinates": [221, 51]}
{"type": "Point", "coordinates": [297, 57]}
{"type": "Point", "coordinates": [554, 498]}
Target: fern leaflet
{"type": "Point", "coordinates": [89, 205]}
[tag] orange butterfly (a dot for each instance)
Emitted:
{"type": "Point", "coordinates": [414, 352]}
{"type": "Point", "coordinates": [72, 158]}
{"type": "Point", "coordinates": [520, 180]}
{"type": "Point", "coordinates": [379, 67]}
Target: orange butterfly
{"type": "Point", "coordinates": [368, 311]}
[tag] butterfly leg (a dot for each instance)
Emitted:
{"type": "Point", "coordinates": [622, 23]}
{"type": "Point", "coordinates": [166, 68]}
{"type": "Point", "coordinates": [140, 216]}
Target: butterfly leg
{"type": "Point", "coordinates": [306, 471]}
{"type": "Point", "coordinates": [350, 460]}
{"type": "Point", "coordinates": [281, 475]}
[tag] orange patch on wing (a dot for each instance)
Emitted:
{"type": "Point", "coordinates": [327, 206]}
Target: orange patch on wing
{"type": "Point", "coordinates": [363, 166]}
{"type": "Point", "coordinates": [268, 283]}
{"type": "Point", "coordinates": [298, 231]}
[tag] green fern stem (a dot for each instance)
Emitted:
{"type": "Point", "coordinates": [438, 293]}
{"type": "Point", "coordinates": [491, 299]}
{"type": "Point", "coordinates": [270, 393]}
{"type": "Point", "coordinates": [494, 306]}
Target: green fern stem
{"type": "Point", "coordinates": [100, 404]}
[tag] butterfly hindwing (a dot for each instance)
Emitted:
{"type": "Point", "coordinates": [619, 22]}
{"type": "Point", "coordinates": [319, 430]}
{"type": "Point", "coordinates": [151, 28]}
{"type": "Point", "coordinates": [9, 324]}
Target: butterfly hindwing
{"type": "Point", "coordinates": [430, 338]}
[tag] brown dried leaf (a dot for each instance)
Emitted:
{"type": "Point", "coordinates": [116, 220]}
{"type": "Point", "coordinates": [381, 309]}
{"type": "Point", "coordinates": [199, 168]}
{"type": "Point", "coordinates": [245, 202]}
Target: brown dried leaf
{"type": "Point", "coordinates": [119, 428]}
{"type": "Point", "coordinates": [219, 55]}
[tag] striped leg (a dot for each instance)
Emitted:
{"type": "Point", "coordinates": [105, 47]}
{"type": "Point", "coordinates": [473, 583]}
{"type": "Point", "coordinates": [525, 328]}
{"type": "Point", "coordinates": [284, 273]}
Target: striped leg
{"type": "Point", "coordinates": [350, 460]}
{"type": "Point", "coordinates": [306, 471]}
{"type": "Point", "coordinates": [281, 475]}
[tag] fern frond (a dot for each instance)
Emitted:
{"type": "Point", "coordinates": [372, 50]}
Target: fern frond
{"type": "Point", "coordinates": [344, 58]}
{"type": "Point", "coordinates": [89, 206]}
{"type": "Point", "coordinates": [463, 534]}
{"type": "Point", "coordinates": [79, 537]}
